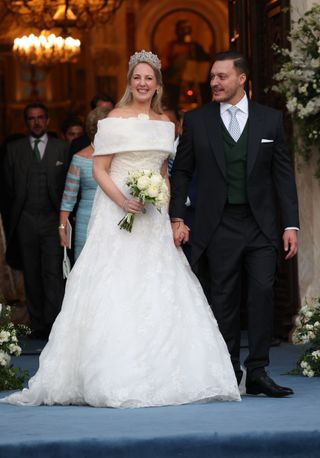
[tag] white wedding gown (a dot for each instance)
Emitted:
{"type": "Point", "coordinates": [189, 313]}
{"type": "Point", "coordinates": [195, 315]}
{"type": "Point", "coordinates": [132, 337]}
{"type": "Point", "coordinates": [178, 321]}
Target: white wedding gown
{"type": "Point", "coordinates": [135, 328]}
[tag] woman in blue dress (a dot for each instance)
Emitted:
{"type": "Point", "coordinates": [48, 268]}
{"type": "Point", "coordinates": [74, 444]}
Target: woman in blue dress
{"type": "Point", "coordinates": [80, 183]}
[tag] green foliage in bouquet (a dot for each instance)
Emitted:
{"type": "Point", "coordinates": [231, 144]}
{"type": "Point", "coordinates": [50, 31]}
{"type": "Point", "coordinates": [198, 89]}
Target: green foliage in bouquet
{"type": "Point", "coordinates": [308, 331]}
{"type": "Point", "coordinates": [298, 80]}
{"type": "Point", "coordinates": [10, 378]}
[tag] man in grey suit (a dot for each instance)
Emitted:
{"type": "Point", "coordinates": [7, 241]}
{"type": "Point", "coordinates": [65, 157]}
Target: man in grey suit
{"type": "Point", "coordinates": [35, 169]}
{"type": "Point", "coordinates": [238, 150]}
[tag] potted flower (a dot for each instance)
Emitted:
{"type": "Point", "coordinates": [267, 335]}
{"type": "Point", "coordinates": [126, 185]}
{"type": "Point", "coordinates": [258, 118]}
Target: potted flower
{"type": "Point", "coordinates": [307, 331]}
{"type": "Point", "coordinates": [11, 378]}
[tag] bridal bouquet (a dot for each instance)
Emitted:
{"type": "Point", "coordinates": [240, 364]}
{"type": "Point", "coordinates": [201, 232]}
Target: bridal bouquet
{"type": "Point", "coordinates": [10, 377]}
{"type": "Point", "coordinates": [308, 331]}
{"type": "Point", "coordinates": [149, 187]}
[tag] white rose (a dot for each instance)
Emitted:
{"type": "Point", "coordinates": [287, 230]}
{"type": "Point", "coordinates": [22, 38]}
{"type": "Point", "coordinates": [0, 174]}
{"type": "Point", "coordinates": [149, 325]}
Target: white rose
{"type": "Point", "coordinates": [316, 354]}
{"type": "Point", "coordinates": [310, 373]}
{"type": "Point", "coordinates": [143, 183]}
{"type": "Point", "coordinates": [15, 349]}
{"type": "Point", "coordinates": [304, 364]}
{"type": "Point", "coordinates": [156, 179]}
{"type": "Point", "coordinates": [316, 324]}
{"type": "Point", "coordinates": [4, 336]}
{"type": "Point", "coordinates": [153, 191]}
{"type": "Point", "coordinates": [4, 359]}
{"type": "Point", "coordinates": [309, 326]}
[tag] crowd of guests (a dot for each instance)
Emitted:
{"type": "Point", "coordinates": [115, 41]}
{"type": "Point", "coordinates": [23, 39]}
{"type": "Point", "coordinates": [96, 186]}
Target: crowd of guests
{"type": "Point", "coordinates": [46, 176]}
{"type": "Point", "coordinates": [46, 184]}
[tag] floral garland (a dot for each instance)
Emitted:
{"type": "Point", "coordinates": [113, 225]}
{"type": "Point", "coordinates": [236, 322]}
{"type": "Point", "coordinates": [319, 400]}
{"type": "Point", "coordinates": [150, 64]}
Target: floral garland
{"type": "Point", "coordinates": [10, 378]}
{"type": "Point", "coordinates": [308, 331]}
{"type": "Point", "coordinates": [298, 79]}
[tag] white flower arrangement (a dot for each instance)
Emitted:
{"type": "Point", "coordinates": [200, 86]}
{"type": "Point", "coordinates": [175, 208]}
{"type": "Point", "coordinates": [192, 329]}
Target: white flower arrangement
{"type": "Point", "coordinates": [149, 187]}
{"type": "Point", "coordinates": [307, 331]}
{"type": "Point", "coordinates": [10, 377]}
{"type": "Point", "coordinates": [298, 79]}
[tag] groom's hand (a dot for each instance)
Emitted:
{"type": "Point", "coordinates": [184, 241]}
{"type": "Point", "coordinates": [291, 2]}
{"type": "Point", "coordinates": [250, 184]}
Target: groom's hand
{"type": "Point", "coordinates": [290, 243]}
{"type": "Point", "coordinates": [180, 231]}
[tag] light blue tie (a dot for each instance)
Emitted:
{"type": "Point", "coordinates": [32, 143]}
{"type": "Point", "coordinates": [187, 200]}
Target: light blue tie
{"type": "Point", "coordinates": [234, 127]}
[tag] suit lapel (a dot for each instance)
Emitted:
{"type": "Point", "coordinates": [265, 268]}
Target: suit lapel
{"type": "Point", "coordinates": [213, 121]}
{"type": "Point", "coordinates": [49, 157]}
{"type": "Point", "coordinates": [255, 125]}
{"type": "Point", "coordinates": [27, 154]}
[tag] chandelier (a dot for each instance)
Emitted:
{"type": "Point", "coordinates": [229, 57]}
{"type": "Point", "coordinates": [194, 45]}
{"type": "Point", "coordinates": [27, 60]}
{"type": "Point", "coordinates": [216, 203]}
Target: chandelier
{"type": "Point", "coordinates": [46, 49]}
{"type": "Point", "coordinates": [49, 14]}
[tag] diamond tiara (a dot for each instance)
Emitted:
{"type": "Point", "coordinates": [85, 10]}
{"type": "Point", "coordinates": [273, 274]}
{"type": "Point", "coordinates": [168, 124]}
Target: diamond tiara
{"type": "Point", "coordinates": [145, 56]}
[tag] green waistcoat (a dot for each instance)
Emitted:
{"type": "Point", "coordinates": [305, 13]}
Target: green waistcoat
{"type": "Point", "coordinates": [236, 160]}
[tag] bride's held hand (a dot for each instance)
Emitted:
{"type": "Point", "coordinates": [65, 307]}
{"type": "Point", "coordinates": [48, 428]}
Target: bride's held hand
{"type": "Point", "coordinates": [180, 232]}
{"type": "Point", "coordinates": [133, 206]}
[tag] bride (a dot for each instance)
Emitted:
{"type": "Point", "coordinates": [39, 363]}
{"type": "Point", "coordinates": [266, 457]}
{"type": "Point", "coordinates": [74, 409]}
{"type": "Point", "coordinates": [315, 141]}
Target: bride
{"type": "Point", "coordinates": [135, 329]}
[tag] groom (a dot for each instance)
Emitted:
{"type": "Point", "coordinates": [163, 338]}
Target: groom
{"type": "Point", "coordinates": [238, 150]}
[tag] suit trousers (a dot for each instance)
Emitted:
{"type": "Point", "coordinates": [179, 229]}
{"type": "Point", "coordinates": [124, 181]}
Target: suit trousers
{"type": "Point", "coordinates": [42, 267]}
{"type": "Point", "coordinates": [239, 251]}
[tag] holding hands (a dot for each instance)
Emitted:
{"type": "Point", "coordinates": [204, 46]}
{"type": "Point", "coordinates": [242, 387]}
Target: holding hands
{"type": "Point", "coordinates": [180, 231]}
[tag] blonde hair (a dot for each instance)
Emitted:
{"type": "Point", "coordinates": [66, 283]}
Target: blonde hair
{"type": "Point", "coordinates": [156, 102]}
{"type": "Point", "coordinates": [92, 120]}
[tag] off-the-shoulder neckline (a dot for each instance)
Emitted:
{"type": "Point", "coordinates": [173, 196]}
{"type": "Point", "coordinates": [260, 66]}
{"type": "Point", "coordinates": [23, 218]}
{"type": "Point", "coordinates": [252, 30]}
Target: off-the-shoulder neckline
{"type": "Point", "coordinates": [139, 119]}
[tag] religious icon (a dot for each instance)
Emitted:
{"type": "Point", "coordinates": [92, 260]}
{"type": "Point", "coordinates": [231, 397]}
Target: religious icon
{"type": "Point", "coordinates": [185, 58]}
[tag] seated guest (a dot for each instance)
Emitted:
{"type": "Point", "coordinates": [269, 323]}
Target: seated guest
{"type": "Point", "coordinates": [99, 100]}
{"type": "Point", "coordinates": [80, 178]}
{"type": "Point", "coordinates": [72, 128]}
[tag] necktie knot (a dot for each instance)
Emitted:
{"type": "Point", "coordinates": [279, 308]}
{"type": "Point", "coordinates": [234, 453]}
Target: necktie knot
{"type": "Point", "coordinates": [234, 127]}
{"type": "Point", "coordinates": [233, 110]}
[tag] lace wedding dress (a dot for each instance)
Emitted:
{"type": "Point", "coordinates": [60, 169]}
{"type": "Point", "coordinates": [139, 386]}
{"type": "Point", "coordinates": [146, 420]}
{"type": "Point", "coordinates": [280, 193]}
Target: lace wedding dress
{"type": "Point", "coordinates": [135, 328]}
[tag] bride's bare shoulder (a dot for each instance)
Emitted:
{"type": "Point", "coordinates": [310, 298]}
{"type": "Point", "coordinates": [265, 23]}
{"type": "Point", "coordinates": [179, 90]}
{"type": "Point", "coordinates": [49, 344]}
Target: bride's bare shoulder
{"type": "Point", "coordinates": [118, 113]}
{"type": "Point", "coordinates": [163, 117]}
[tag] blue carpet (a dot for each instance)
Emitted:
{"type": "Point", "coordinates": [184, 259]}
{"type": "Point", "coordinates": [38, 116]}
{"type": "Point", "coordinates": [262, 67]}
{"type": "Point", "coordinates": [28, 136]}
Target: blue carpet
{"type": "Point", "coordinates": [258, 427]}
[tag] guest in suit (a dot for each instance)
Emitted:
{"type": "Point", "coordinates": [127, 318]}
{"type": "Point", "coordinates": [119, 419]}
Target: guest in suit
{"type": "Point", "coordinates": [35, 170]}
{"type": "Point", "coordinates": [238, 150]}
{"type": "Point", "coordinates": [72, 128]}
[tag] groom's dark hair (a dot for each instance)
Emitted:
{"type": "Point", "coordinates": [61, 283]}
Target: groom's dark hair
{"type": "Point", "coordinates": [239, 60]}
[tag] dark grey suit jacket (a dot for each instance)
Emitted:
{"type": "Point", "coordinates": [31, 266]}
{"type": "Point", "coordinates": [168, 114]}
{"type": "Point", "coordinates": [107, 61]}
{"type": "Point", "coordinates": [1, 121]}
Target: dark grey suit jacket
{"type": "Point", "coordinates": [269, 173]}
{"type": "Point", "coordinates": [17, 162]}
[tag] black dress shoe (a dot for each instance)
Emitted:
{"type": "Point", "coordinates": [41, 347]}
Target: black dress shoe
{"type": "Point", "coordinates": [263, 384]}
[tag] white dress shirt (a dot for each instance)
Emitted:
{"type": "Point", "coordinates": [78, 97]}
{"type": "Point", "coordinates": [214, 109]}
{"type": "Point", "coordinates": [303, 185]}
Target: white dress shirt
{"type": "Point", "coordinates": [241, 115]}
{"type": "Point", "coordinates": [41, 145]}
